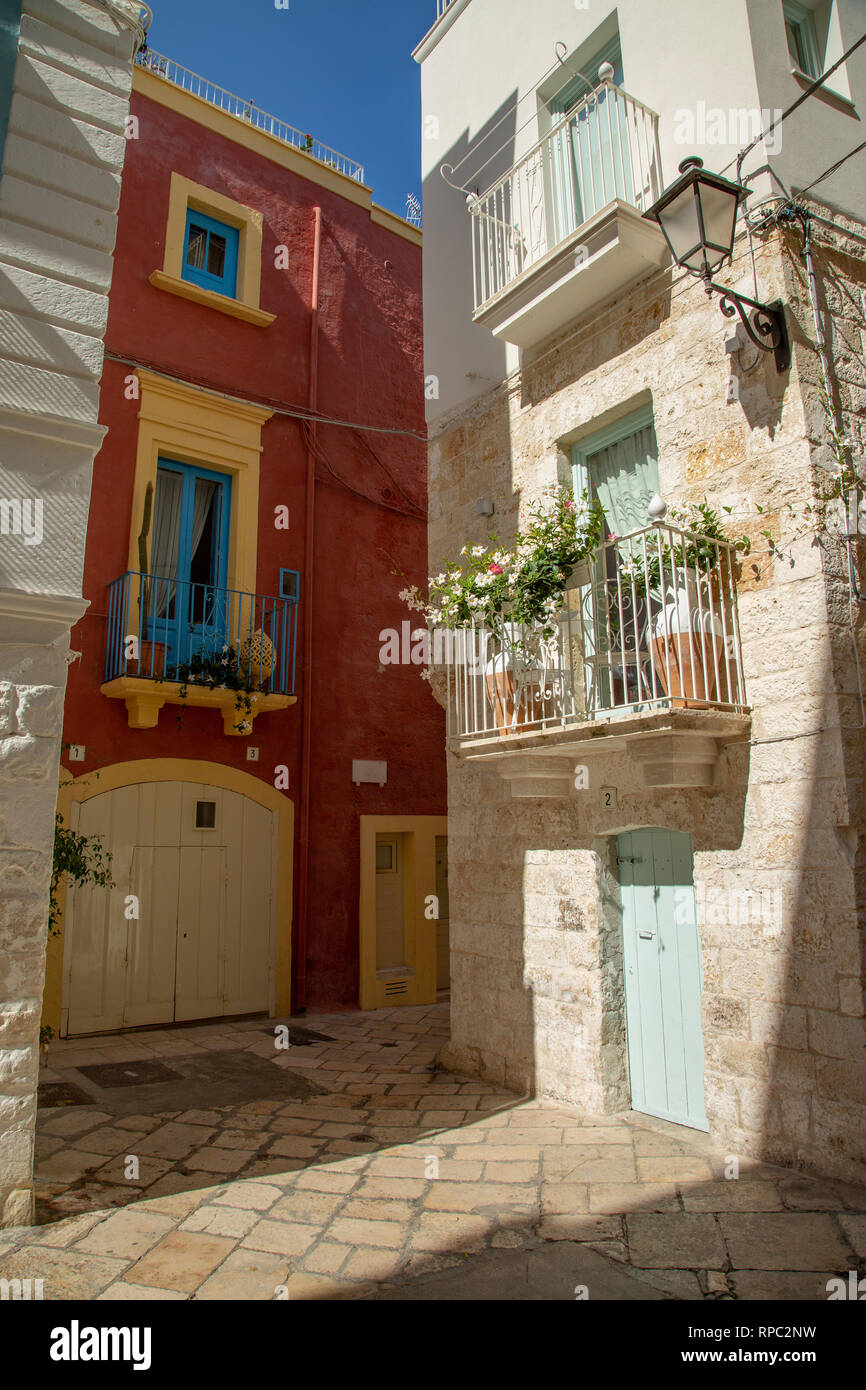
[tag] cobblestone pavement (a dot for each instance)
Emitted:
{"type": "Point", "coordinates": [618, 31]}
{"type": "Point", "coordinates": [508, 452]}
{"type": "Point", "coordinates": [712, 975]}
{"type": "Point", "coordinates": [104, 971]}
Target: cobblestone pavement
{"type": "Point", "coordinates": [363, 1171]}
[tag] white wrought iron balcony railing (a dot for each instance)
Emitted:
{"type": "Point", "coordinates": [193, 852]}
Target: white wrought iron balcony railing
{"type": "Point", "coordinates": [605, 148]}
{"type": "Point", "coordinates": [443, 6]}
{"type": "Point", "coordinates": [650, 624]}
{"type": "Point", "coordinates": [247, 111]}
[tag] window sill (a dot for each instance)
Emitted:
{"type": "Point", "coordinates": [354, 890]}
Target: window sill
{"type": "Point", "coordinates": [145, 698]}
{"type": "Point", "coordinates": [829, 94]}
{"type": "Point", "coordinates": [187, 290]}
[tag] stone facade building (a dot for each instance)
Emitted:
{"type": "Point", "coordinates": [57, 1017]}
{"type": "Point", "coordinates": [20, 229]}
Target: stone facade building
{"type": "Point", "coordinates": [587, 359]}
{"type": "Point", "coordinates": [65, 76]}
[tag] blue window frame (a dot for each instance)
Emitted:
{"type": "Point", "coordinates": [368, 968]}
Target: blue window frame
{"type": "Point", "coordinates": [290, 584]}
{"type": "Point", "coordinates": [187, 600]}
{"type": "Point", "coordinates": [210, 253]}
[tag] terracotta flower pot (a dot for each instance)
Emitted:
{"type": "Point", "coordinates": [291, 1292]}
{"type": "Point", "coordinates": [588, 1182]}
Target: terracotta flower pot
{"type": "Point", "coordinates": [500, 686]}
{"type": "Point", "coordinates": [687, 647]}
{"type": "Point", "coordinates": [151, 659]}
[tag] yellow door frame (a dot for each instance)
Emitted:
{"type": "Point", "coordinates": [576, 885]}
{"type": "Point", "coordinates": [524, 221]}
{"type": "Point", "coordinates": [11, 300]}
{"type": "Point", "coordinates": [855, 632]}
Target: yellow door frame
{"type": "Point", "coordinates": [108, 779]}
{"type": "Point", "coordinates": [420, 843]}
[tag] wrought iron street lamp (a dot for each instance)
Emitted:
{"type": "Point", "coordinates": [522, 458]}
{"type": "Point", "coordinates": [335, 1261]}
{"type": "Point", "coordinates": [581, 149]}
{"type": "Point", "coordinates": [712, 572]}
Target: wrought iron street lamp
{"type": "Point", "coordinates": [697, 216]}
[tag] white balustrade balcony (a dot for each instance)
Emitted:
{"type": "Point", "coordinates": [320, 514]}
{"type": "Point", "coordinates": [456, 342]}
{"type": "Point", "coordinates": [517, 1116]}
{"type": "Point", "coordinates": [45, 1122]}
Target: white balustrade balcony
{"type": "Point", "coordinates": [647, 644]}
{"type": "Point", "coordinates": [563, 227]}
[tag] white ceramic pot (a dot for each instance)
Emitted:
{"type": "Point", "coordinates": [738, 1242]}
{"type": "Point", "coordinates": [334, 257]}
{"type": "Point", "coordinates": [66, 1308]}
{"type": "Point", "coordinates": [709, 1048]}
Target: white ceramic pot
{"type": "Point", "coordinates": [688, 644]}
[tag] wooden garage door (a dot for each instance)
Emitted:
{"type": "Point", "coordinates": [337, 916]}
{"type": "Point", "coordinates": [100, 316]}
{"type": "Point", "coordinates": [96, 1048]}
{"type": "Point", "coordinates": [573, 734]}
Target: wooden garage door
{"type": "Point", "coordinates": [188, 930]}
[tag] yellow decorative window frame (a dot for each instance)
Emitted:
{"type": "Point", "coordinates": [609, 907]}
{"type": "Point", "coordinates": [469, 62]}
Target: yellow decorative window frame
{"type": "Point", "coordinates": [191, 425]}
{"type": "Point", "coordinates": [183, 195]}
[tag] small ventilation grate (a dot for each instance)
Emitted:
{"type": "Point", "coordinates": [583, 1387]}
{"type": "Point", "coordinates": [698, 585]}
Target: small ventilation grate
{"type": "Point", "coordinates": [395, 987]}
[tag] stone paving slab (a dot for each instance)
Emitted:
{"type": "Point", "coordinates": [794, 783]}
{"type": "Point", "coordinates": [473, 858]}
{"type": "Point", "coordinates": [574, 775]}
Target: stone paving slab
{"type": "Point", "coordinates": [395, 1180]}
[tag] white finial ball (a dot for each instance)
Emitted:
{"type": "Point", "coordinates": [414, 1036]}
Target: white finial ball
{"type": "Point", "coordinates": [605, 72]}
{"type": "Point", "coordinates": [657, 508]}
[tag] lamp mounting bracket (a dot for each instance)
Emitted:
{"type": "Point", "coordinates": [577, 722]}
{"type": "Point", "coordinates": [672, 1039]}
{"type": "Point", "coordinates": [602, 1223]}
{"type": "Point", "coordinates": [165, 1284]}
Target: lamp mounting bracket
{"type": "Point", "coordinates": [765, 324]}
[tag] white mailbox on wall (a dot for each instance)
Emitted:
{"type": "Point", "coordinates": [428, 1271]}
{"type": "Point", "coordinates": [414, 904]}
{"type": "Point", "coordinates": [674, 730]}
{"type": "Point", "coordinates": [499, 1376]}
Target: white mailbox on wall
{"type": "Point", "coordinates": [369, 772]}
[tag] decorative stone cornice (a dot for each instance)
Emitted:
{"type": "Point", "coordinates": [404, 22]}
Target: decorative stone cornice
{"type": "Point", "coordinates": [24, 606]}
{"type": "Point", "coordinates": [73, 434]}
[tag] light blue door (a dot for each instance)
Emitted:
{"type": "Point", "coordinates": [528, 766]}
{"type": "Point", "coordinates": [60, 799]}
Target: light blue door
{"type": "Point", "coordinates": [662, 964]}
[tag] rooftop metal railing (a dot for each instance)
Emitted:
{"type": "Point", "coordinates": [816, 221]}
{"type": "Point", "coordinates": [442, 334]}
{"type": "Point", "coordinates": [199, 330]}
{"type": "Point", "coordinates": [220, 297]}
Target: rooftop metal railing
{"type": "Point", "coordinates": [247, 111]}
{"type": "Point", "coordinates": [606, 147]}
{"type": "Point", "coordinates": [650, 624]}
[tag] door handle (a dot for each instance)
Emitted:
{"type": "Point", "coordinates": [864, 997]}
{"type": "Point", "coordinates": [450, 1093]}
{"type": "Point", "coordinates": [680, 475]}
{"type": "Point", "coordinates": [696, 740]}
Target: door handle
{"type": "Point", "coordinates": [646, 935]}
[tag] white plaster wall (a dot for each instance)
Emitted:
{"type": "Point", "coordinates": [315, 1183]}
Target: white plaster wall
{"type": "Point", "coordinates": [676, 54]}
{"type": "Point", "coordinates": [59, 192]}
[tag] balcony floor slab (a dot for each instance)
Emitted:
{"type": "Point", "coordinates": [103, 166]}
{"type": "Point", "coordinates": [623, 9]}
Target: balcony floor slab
{"type": "Point", "coordinates": [675, 748]}
{"type": "Point", "coordinates": [145, 698]}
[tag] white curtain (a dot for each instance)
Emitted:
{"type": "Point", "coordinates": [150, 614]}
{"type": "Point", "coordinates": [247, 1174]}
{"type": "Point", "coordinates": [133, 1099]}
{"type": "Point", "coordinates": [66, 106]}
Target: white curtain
{"type": "Point", "coordinates": [204, 495]}
{"type": "Point", "coordinates": [166, 540]}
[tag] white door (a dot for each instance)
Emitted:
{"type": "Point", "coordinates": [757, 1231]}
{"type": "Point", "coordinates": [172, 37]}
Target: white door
{"type": "Point", "coordinates": [188, 930]}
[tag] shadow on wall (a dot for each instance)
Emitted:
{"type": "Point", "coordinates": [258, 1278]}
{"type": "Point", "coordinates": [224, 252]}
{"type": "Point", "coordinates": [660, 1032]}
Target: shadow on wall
{"type": "Point", "coordinates": [814, 1113]}
{"type": "Point", "coordinates": [472, 163]}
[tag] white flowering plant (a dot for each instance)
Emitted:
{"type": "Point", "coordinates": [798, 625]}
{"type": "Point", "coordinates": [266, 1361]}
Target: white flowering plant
{"type": "Point", "coordinates": [698, 553]}
{"type": "Point", "coordinates": [526, 584]}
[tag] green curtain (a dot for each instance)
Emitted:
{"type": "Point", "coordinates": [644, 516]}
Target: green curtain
{"type": "Point", "coordinates": [624, 477]}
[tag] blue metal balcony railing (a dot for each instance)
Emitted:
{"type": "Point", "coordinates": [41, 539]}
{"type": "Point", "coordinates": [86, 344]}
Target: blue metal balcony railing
{"type": "Point", "coordinates": [170, 629]}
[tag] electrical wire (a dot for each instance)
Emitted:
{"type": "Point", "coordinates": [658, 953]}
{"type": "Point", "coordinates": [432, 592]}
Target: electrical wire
{"type": "Point", "coordinates": [278, 407]}
{"type": "Point", "coordinates": [306, 419]}
{"type": "Point", "coordinates": [322, 457]}
{"type": "Point", "coordinates": [572, 73]}
{"type": "Point", "coordinates": [833, 168]}
{"type": "Point", "coordinates": [804, 96]}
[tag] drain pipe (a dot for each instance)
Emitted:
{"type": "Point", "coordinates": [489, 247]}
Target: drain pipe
{"type": "Point", "coordinates": [300, 1003]}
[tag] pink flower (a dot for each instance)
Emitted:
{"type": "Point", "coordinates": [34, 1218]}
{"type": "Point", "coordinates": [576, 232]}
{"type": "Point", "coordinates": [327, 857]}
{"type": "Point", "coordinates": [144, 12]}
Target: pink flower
{"type": "Point", "coordinates": [569, 506]}
{"type": "Point", "coordinates": [613, 536]}
{"type": "Point", "coordinates": [495, 569]}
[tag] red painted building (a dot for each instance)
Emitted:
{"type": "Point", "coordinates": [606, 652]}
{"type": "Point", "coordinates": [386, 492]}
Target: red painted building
{"type": "Point", "coordinates": [261, 489]}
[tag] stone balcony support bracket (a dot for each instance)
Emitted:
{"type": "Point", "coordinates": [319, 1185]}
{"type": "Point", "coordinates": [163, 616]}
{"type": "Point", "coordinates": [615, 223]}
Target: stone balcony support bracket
{"type": "Point", "coordinates": [679, 749]}
{"type": "Point", "coordinates": [145, 698]}
{"type": "Point", "coordinates": [539, 776]}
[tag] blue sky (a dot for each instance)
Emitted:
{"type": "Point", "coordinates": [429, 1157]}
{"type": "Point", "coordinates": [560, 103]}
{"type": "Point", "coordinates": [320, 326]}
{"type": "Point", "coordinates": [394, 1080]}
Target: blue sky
{"type": "Point", "coordinates": [340, 69]}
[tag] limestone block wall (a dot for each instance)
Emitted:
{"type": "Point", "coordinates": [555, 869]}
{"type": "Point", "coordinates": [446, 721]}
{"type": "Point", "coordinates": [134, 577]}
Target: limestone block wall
{"type": "Point", "coordinates": [59, 192]}
{"type": "Point", "coordinates": [537, 992]}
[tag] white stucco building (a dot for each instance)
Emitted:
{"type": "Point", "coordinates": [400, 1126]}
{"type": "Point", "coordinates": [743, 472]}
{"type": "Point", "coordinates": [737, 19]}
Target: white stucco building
{"type": "Point", "coordinates": [656, 890]}
{"type": "Point", "coordinates": [65, 78]}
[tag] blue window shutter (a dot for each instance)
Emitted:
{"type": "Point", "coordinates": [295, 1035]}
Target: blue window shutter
{"type": "Point", "coordinates": [210, 253]}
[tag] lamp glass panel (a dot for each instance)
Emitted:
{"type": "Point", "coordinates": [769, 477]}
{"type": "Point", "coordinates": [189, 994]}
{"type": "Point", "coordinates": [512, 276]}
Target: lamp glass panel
{"type": "Point", "coordinates": [719, 209]}
{"type": "Point", "coordinates": [679, 222]}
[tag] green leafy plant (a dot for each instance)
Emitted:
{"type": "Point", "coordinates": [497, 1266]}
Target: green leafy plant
{"type": "Point", "coordinates": [217, 669]}
{"type": "Point", "coordinates": [698, 552]}
{"type": "Point", "coordinates": [526, 584]}
{"type": "Point", "coordinates": [81, 858]}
